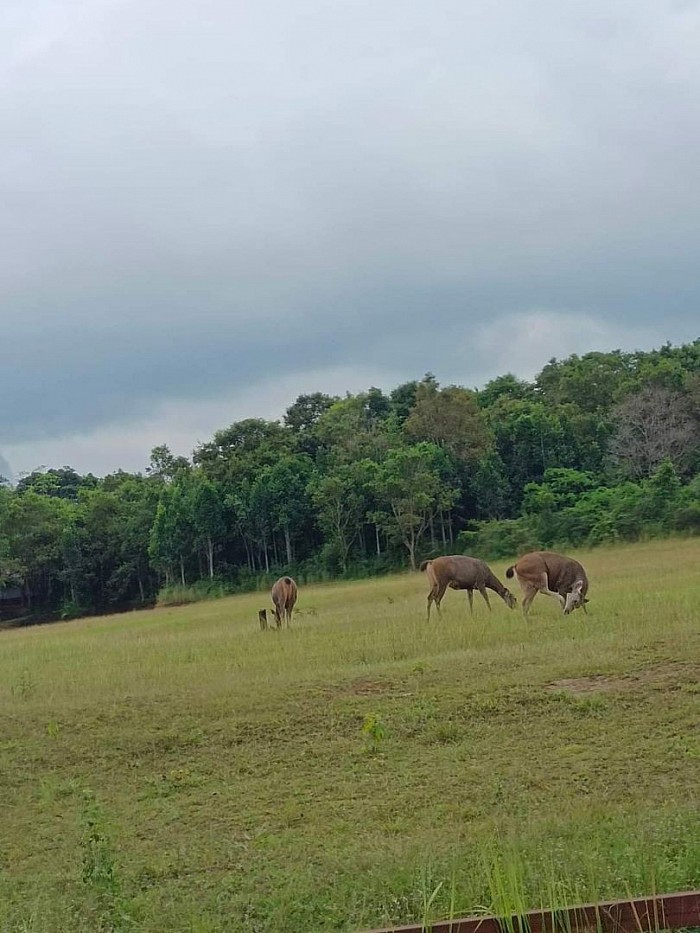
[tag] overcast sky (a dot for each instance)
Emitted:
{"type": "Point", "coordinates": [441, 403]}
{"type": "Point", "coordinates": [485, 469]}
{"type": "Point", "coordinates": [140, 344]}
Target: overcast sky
{"type": "Point", "coordinates": [208, 208]}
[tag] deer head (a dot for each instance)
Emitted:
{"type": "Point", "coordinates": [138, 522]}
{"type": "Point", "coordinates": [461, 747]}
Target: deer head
{"type": "Point", "coordinates": [575, 599]}
{"type": "Point", "coordinates": [509, 599]}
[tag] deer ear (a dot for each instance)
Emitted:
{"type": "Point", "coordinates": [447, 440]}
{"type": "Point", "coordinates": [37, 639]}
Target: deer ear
{"type": "Point", "coordinates": [578, 586]}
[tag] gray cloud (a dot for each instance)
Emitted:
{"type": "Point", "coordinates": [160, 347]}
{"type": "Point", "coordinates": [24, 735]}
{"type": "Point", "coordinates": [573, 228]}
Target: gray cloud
{"type": "Point", "coordinates": [199, 198]}
{"type": "Point", "coordinates": [5, 469]}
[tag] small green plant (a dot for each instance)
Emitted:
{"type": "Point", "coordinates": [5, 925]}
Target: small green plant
{"type": "Point", "coordinates": [593, 705]}
{"type": "Point", "coordinates": [52, 729]}
{"type": "Point", "coordinates": [504, 870]}
{"type": "Point", "coordinates": [25, 686]}
{"type": "Point", "coordinates": [52, 789]}
{"type": "Point", "coordinates": [98, 868]}
{"type": "Point", "coordinates": [98, 865]}
{"type": "Point", "coordinates": [686, 746]}
{"type": "Point", "coordinates": [374, 732]}
{"type": "Point", "coordinates": [176, 780]}
{"type": "Point", "coordinates": [429, 897]}
{"type": "Point", "coordinates": [437, 902]}
{"type": "Point", "coordinates": [445, 733]}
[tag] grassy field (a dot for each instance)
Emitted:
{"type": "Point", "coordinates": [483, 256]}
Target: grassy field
{"type": "Point", "coordinates": [179, 770]}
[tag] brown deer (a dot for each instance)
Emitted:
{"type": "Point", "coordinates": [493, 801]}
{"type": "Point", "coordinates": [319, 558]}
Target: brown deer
{"type": "Point", "coordinates": [463, 573]}
{"type": "Point", "coordinates": [554, 575]}
{"type": "Point", "coordinates": [284, 595]}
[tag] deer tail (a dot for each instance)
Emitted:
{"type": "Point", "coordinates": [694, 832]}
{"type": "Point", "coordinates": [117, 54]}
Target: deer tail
{"type": "Point", "coordinates": [510, 571]}
{"type": "Point", "coordinates": [425, 565]}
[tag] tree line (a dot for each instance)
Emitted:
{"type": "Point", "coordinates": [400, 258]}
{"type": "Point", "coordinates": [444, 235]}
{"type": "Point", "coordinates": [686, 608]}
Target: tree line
{"type": "Point", "coordinates": [599, 447]}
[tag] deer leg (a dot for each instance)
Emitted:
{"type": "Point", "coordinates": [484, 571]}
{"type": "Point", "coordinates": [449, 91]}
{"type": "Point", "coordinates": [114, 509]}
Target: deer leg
{"type": "Point", "coordinates": [470, 597]}
{"type": "Point", "coordinates": [486, 597]}
{"type": "Point", "coordinates": [530, 593]}
{"type": "Point", "coordinates": [547, 592]}
{"type": "Point", "coordinates": [431, 599]}
{"type": "Point", "coordinates": [438, 597]}
{"type": "Point", "coordinates": [434, 596]}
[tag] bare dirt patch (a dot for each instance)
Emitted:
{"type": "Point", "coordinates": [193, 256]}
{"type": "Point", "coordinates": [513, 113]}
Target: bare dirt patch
{"type": "Point", "coordinates": [671, 675]}
{"type": "Point", "coordinates": [579, 686]}
{"type": "Point", "coordinates": [365, 687]}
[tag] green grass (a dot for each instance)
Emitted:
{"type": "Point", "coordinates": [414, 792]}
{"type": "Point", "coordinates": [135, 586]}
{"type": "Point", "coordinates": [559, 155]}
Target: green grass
{"type": "Point", "coordinates": [179, 770]}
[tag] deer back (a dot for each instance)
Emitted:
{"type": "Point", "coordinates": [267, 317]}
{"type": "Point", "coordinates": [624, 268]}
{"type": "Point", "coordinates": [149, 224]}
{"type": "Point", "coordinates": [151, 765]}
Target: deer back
{"type": "Point", "coordinates": [284, 592]}
{"type": "Point", "coordinates": [562, 572]}
{"type": "Point", "coordinates": [460, 570]}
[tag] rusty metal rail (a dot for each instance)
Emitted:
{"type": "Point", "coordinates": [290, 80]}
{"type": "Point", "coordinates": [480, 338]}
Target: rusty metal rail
{"type": "Point", "coordinates": [636, 915]}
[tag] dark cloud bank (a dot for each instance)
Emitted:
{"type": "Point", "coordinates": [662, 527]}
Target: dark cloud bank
{"type": "Point", "coordinates": [202, 198]}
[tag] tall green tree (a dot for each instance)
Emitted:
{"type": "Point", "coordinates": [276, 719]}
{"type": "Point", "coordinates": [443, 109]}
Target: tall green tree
{"type": "Point", "coordinates": [172, 534]}
{"type": "Point", "coordinates": [449, 418]}
{"type": "Point", "coordinates": [355, 428]}
{"type": "Point", "coordinates": [341, 503]}
{"type": "Point", "coordinates": [33, 526]}
{"type": "Point", "coordinates": [530, 438]}
{"type": "Point", "coordinates": [402, 400]}
{"type": "Point", "coordinates": [134, 578]}
{"type": "Point", "coordinates": [242, 449]}
{"type": "Point", "coordinates": [507, 386]}
{"type": "Point", "coordinates": [489, 487]}
{"type": "Point", "coordinates": [411, 489]}
{"type": "Point", "coordinates": [207, 511]}
{"type": "Point", "coordinates": [591, 382]}
{"type": "Point", "coordinates": [286, 494]}
{"type": "Point", "coordinates": [63, 483]}
{"type": "Point", "coordinates": [164, 465]}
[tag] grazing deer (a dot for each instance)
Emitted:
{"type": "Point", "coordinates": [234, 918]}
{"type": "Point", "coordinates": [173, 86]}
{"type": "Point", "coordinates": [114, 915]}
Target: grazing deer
{"type": "Point", "coordinates": [554, 575]}
{"type": "Point", "coordinates": [284, 595]}
{"type": "Point", "coordinates": [463, 573]}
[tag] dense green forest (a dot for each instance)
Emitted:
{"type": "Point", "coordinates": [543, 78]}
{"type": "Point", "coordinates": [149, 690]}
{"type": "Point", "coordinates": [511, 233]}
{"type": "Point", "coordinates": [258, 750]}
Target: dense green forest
{"type": "Point", "coordinates": [598, 448]}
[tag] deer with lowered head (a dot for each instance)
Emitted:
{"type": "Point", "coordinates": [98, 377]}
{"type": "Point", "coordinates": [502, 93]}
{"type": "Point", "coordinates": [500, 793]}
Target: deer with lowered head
{"type": "Point", "coordinates": [554, 575]}
{"type": "Point", "coordinates": [284, 596]}
{"type": "Point", "coordinates": [460, 572]}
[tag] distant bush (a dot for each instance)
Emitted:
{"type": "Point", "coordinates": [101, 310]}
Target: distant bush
{"type": "Point", "coordinates": [495, 539]}
{"type": "Point", "coordinates": [71, 610]}
{"type": "Point", "coordinates": [564, 511]}
{"type": "Point", "coordinates": [688, 518]}
{"type": "Point", "coordinates": [178, 595]}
